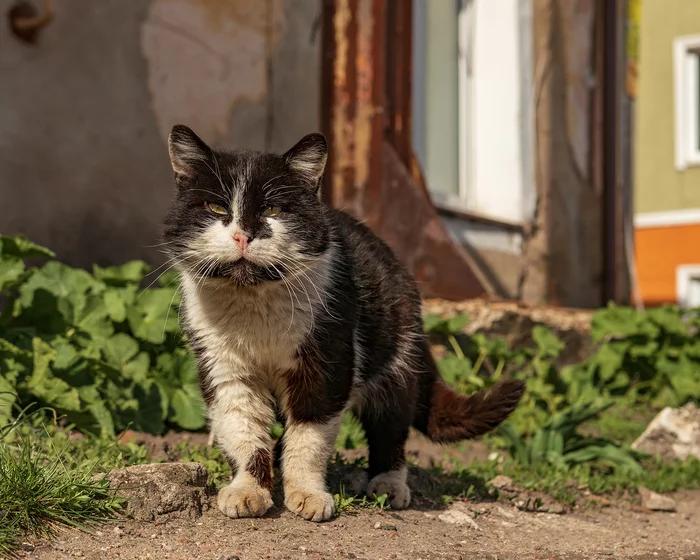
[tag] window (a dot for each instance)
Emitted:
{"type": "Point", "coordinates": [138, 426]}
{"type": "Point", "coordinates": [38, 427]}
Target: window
{"type": "Point", "coordinates": [688, 285]}
{"type": "Point", "coordinates": [472, 113]}
{"type": "Point", "coordinates": [687, 100]}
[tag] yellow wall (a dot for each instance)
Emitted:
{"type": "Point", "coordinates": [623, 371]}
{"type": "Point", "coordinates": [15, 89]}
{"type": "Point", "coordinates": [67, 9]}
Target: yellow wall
{"type": "Point", "coordinates": [658, 186]}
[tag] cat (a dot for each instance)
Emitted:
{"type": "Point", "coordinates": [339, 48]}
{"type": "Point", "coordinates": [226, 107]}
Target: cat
{"type": "Point", "coordinates": [294, 308]}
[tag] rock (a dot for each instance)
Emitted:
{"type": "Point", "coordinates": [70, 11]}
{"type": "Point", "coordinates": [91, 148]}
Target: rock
{"type": "Point", "coordinates": [153, 490]}
{"type": "Point", "coordinates": [455, 516]}
{"type": "Point", "coordinates": [657, 502]}
{"type": "Point", "coordinates": [502, 482]}
{"type": "Point", "coordinates": [505, 485]}
{"type": "Point", "coordinates": [673, 434]}
{"type": "Point", "coordinates": [385, 526]}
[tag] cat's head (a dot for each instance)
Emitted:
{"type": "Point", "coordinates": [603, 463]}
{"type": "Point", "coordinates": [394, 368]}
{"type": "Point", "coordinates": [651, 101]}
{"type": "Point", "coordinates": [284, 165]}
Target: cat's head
{"type": "Point", "coordinates": [246, 217]}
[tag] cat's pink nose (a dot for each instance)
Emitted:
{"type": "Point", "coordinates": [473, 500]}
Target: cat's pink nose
{"type": "Point", "coordinates": [241, 240]}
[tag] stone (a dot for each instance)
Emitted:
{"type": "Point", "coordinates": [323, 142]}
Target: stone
{"type": "Point", "coordinates": [673, 434]}
{"type": "Point", "coordinates": [455, 516]}
{"type": "Point", "coordinates": [656, 502]}
{"type": "Point", "coordinates": [385, 526]}
{"type": "Point", "coordinates": [504, 484]}
{"type": "Point", "coordinates": [158, 489]}
{"type": "Point", "coordinates": [501, 482]}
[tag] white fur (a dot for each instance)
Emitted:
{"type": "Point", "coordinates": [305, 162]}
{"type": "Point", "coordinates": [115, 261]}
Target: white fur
{"type": "Point", "coordinates": [307, 449]}
{"type": "Point", "coordinates": [250, 338]}
{"type": "Point", "coordinates": [311, 162]}
{"type": "Point", "coordinates": [183, 154]}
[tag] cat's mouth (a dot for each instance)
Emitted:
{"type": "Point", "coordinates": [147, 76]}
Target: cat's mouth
{"type": "Point", "coordinates": [244, 272]}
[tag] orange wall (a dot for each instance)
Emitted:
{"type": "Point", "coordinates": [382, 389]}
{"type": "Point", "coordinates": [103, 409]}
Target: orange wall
{"type": "Point", "coordinates": [659, 251]}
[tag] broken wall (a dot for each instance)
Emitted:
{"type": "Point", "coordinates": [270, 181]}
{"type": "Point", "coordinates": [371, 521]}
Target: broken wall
{"type": "Point", "coordinates": [85, 113]}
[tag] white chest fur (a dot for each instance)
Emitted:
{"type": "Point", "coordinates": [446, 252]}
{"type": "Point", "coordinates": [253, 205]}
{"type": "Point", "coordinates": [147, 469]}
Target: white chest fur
{"type": "Point", "coordinates": [247, 333]}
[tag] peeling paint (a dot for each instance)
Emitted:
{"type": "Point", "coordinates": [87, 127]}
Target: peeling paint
{"type": "Point", "coordinates": [204, 57]}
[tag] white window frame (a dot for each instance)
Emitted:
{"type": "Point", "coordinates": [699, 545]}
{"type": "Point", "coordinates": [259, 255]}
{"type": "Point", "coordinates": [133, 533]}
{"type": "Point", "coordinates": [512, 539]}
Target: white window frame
{"type": "Point", "coordinates": [685, 274]}
{"type": "Point", "coordinates": [687, 97]}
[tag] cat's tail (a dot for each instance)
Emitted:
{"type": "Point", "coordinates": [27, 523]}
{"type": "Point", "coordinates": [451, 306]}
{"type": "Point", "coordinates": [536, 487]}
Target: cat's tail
{"type": "Point", "coordinates": [452, 417]}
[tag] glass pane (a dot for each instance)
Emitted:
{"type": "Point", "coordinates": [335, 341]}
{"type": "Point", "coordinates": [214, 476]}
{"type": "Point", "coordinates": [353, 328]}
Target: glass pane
{"type": "Point", "coordinates": [436, 136]}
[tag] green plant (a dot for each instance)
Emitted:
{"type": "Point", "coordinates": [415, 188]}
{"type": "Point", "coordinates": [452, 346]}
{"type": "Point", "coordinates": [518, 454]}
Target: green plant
{"type": "Point", "coordinates": [94, 347]}
{"type": "Point", "coordinates": [40, 490]}
{"type": "Point", "coordinates": [345, 504]}
{"type": "Point", "coordinates": [558, 442]}
{"type": "Point", "coordinates": [642, 359]}
{"type": "Point", "coordinates": [650, 357]}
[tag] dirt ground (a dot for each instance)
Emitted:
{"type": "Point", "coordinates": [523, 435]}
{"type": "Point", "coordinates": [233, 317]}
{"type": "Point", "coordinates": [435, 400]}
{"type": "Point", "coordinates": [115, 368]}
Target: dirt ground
{"type": "Point", "coordinates": [492, 530]}
{"type": "Point", "coordinates": [501, 532]}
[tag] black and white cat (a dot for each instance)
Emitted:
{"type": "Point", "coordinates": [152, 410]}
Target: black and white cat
{"type": "Point", "coordinates": [298, 310]}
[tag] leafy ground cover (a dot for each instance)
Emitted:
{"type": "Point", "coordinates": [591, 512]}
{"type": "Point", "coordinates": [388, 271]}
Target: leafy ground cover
{"type": "Point", "coordinates": [102, 352]}
{"type": "Point", "coordinates": [94, 347]}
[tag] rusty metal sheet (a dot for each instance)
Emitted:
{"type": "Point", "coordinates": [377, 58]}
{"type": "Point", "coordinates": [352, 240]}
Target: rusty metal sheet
{"type": "Point", "coordinates": [366, 92]}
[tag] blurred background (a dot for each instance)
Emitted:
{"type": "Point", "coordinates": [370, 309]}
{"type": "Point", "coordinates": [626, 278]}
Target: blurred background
{"type": "Point", "coordinates": [540, 150]}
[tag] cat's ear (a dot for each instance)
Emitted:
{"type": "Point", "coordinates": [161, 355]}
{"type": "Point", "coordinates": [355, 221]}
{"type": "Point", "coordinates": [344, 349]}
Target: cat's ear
{"type": "Point", "coordinates": [187, 150]}
{"type": "Point", "coordinates": [308, 157]}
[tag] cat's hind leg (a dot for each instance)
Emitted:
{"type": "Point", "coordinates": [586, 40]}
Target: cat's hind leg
{"type": "Point", "coordinates": [386, 419]}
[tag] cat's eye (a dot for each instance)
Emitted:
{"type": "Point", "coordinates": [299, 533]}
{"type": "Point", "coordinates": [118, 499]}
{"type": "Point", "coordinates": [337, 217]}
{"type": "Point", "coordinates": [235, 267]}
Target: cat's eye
{"type": "Point", "coordinates": [271, 212]}
{"type": "Point", "coordinates": [217, 208]}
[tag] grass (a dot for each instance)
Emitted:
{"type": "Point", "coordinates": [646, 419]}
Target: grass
{"type": "Point", "coordinates": [44, 486]}
{"type": "Point", "coordinates": [349, 505]}
{"type": "Point", "coordinates": [566, 484]}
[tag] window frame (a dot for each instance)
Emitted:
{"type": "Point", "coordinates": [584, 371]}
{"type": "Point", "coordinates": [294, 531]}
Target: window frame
{"type": "Point", "coordinates": [686, 274]}
{"type": "Point", "coordinates": [686, 62]}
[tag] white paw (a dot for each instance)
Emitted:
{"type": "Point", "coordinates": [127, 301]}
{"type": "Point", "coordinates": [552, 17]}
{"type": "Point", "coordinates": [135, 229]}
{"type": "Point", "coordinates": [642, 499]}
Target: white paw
{"type": "Point", "coordinates": [244, 501]}
{"type": "Point", "coordinates": [315, 506]}
{"type": "Point", "coordinates": [393, 484]}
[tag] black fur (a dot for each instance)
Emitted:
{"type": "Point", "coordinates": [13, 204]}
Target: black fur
{"type": "Point", "coordinates": [367, 338]}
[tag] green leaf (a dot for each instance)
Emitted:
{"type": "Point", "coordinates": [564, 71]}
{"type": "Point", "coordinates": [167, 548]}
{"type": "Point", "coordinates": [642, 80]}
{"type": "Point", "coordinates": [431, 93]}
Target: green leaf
{"type": "Point", "coordinates": [92, 317]}
{"type": "Point", "coordinates": [152, 316]}
{"type": "Point", "coordinates": [116, 308]}
{"type": "Point", "coordinates": [433, 323]}
{"type": "Point", "coordinates": [130, 273]}
{"type": "Point", "coordinates": [11, 269]}
{"type": "Point", "coordinates": [457, 323]}
{"type": "Point", "coordinates": [614, 322]}
{"type": "Point", "coordinates": [548, 344]}
{"type": "Point", "coordinates": [60, 280]}
{"type": "Point", "coordinates": [138, 368]}
{"type": "Point", "coordinates": [187, 409]}
{"type": "Point", "coordinates": [8, 397]}
{"type": "Point", "coordinates": [119, 349]}
{"type": "Point", "coordinates": [609, 360]}
{"type": "Point", "coordinates": [103, 418]}
{"type": "Point", "coordinates": [169, 278]}
{"type": "Point", "coordinates": [44, 385]}
{"type": "Point", "coordinates": [146, 409]}
{"type": "Point", "coordinates": [669, 318]}
{"type": "Point", "coordinates": [20, 246]}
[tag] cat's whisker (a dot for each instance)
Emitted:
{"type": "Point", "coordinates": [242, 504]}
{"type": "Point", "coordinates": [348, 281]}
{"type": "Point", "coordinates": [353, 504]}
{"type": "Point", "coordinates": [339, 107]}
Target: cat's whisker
{"type": "Point", "coordinates": [298, 270]}
{"type": "Point", "coordinates": [270, 181]}
{"type": "Point", "coordinates": [212, 193]}
{"type": "Point", "coordinates": [291, 301]}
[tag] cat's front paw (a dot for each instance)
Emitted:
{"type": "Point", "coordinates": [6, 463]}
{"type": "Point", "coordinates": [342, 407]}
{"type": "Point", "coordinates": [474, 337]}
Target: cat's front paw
{"type": "Point", "coordinates": [315, 506]}
{"type": "Point", "coordinates": [393, 484]}
{"type": "Point", "coordinates": [244, 501]}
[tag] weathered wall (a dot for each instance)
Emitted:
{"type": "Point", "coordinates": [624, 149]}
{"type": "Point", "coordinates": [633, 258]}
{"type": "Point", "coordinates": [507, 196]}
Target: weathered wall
{"type": "Point", "coordinates": [655, 171]}
{"type": "Point", "coordinates": [84, 115]}
{"type": "Point", "coordinates": [562, 249]}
